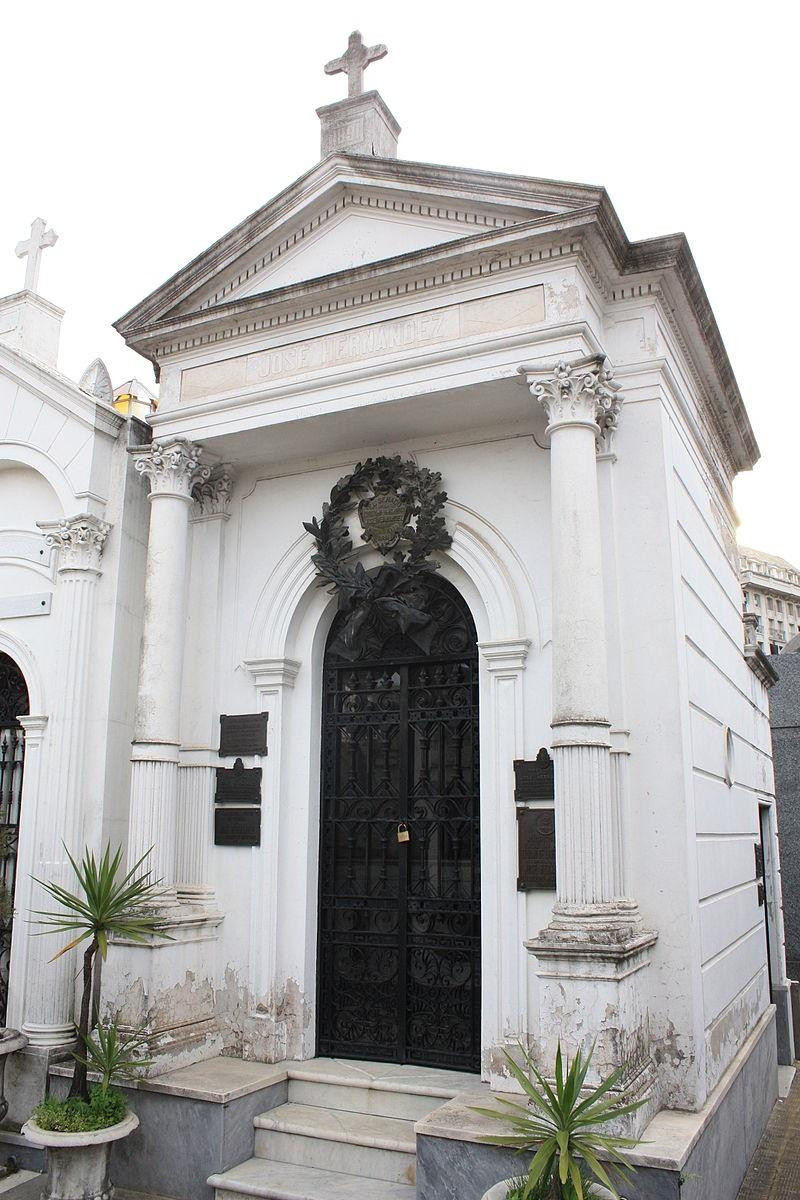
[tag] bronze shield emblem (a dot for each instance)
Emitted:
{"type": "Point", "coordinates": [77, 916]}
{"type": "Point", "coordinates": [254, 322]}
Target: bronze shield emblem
{"type": "Point", "coordinates": [383, 518]}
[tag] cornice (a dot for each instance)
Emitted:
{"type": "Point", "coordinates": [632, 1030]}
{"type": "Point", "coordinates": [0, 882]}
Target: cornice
{"type": "Point", "coordinates": [592, 232]}
{"type": "Point", "coordinates": [433, 267]}
{"type": "Point", "coordinates": [506, 657]}
{"type": "Point", "coordinates": [672, 253]}
{"type": "Point", "coordinates": [271, 673]}
{"type": "Point", "coordinates": [355, 200]}
{"type": "Point", "coordinates": [62, 393]}
{"type": "Point", "coordinates": [30, 297]}
{"type": "Point", "coordinates": [760, 665]}
{"type": "Point", "coordinates": [485, 187]}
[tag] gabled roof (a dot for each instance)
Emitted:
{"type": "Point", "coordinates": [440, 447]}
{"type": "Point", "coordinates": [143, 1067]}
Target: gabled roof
{"type": "Point", "coordinates": [479, 216]}
{"type": "Point", "coordinates": [458, 200]}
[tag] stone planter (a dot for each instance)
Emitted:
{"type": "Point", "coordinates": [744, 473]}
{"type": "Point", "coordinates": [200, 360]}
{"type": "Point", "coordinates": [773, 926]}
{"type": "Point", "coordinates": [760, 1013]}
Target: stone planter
{"type": "Point", "coordinates": [500, 1190]}
{"type": "Point", "coordinates": [77, 1163]}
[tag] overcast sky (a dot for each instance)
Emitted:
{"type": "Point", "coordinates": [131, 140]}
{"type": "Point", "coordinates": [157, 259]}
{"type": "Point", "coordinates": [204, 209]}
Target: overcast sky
{"type": "Point", "coordinates": [143, 131]}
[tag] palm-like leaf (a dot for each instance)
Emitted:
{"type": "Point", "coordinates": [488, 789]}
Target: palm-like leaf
{"type": "Point", "coordinates": [109, 904]}
{"type": "Point", "coordinates": [561, 1128]}
{"type": "Point", "coordinates": [112, 1055]}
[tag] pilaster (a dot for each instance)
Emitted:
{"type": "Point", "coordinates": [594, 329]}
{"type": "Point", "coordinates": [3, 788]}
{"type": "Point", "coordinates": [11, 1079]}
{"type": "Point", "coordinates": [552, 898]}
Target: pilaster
{"type": "Point", "coordinates": [504, 1017]}
{"type": "Point", "coordinates": [272, 1027]}
{"type": "Point", "coordinates": [208, 517]}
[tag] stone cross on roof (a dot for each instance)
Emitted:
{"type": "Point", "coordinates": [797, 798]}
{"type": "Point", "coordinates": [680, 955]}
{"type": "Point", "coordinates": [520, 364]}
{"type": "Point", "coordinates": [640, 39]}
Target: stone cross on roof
{"type": "Point", "coordinates": [40, 239]}
{"type": "Point", "coordinates": [354, 61]}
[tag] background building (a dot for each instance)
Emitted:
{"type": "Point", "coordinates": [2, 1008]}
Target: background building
{"type": "Point", "coordinates": [771, 587]}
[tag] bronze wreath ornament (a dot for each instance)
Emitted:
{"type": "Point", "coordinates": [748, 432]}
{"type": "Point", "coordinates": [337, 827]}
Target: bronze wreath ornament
{"type": "Point", "coordinates": [390, 493]}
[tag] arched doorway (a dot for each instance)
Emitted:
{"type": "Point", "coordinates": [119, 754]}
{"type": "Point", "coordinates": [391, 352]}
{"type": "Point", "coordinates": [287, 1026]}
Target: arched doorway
{"type": "Point", "coordinates": [13, 704]}
{"type": "Point", "coordinates": [399, 921]}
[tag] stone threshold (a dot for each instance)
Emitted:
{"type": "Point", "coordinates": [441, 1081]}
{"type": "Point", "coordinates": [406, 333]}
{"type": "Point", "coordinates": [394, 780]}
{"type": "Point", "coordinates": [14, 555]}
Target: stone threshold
{"type": "Point", "coordinates": [215, 1080]}
{"type": "Point", "coordinates": [667, 1141]}
{"type": "Point", "coordinates": [219, 1080]}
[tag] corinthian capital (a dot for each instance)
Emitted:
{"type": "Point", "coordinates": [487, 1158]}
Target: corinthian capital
{"type": "Point", "coordinates": [79, 540]}
{"type": "Point", "coordinates": [212, 496]}
{"type": "Point", "coordinates": [577, 393]}
{"type": "Point", "coordinates": [173, 467]}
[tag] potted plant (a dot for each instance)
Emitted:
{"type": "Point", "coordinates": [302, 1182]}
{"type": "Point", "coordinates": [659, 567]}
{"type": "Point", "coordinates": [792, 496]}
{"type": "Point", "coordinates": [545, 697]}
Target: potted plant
{"type": "Point", "coordinates": [79, 1131]}
{"type": "Point", "coordinates": [561, 1127]}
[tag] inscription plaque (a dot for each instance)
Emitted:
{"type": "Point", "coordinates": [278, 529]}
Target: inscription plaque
{"type": "Point", "coordinates": [237, 827]}
{"type": "Point", "coordinates": [493, 314]}
{"type": "Point", "coordinates": [383, 517]}
{"type": "Point", "coordinates": [536, 829]}
{"type": "Point", "coordinates": [244, 733]}
{"type": "Point", "coordinates": [534, 780]}
{"type": "Point", "coordinates": [238, 784]}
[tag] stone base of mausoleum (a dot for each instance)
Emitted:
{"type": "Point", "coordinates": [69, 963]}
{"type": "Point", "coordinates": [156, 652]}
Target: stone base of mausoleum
{"type": "Point", "coordinates": [682, 1156]}
{"type": "Point", "coordinates": [198, 1121]}
{"type": "Point", "coordinates": [193, 1123]}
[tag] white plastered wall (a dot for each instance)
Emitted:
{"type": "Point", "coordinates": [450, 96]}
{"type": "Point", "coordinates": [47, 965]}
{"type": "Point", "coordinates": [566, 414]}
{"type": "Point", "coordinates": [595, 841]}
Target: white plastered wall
{"type": "Point", "coordinates": [275, 619]}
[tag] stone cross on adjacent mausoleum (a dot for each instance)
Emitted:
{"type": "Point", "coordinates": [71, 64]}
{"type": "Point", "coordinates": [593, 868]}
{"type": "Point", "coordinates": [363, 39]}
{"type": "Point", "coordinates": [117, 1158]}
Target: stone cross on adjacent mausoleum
{"type": "Point", "coordinates": [354, 62]}
{"type": "Point", "coordinates": [41, 237]}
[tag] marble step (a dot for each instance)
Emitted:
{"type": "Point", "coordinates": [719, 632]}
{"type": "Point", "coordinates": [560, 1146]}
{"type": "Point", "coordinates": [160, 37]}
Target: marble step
{"type": "Point", "coordinates": [382, 1089]}
{"type": "Point", "coordinates": [350, 1142]}
{"type": "Point", "coordinates": [285, 1181]}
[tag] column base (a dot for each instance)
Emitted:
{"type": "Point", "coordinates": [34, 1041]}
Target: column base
{"type": "Point", "coordinates": [591, 995]}
{"type": "Point", "coordinates": [191, 893]}
{"type": "Point", "coordinates": [166, 987]}
{"type": "Point", "coordinates": [49, 1037]}
{"type": "Point", "coordinates": [614, 929]}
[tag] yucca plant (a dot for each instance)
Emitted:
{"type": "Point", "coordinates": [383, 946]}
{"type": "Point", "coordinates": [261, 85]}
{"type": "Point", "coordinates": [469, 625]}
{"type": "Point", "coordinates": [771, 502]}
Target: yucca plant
{"type": "Point", "coordinates": [114, 1055]}
{"type": "Point", "coordinates": [562, 1130]}
{"type": "Point", "coordinates": [108, 903]}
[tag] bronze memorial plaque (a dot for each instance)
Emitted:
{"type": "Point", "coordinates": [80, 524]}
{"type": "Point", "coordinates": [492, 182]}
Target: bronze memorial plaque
{"type": "Point", "coordinates": [244, 733]}
{"type": "Point", "coordinates": [383, 516]}
{"type": "Point", "coordinates": [536, 829]}
{"type": "Point", "coordinates": [237, 827]}
{"type": "Point", "coordinates": [534, 780]}
{"type": "Point", "coordinates": [238, 784]}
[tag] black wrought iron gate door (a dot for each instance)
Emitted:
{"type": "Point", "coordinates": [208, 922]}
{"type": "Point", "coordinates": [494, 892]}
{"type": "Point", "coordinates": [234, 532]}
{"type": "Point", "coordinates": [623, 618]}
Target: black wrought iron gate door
{"type": "Point", "coordinates": [399, 944]}
{"type": "Point", "coordinates": [13, 704]}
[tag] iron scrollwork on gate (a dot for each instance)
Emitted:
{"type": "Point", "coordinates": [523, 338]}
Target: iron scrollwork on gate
{"type": "Point", "coordinates": [399, 941]}
{"type": "Point", "coordinates": [13, 704]}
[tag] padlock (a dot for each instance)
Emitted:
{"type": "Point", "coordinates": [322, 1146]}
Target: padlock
{"type": "Point", "coordinates": [402, 833]}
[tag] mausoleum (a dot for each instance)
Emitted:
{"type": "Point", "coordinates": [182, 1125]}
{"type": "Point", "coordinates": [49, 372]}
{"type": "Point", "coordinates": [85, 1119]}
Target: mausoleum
{"type": "Point", "coordinates": [406, 636]}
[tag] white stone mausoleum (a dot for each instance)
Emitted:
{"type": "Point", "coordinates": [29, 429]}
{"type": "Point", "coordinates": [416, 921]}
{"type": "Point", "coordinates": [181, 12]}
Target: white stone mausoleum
{"type": "Point", "coordinates": [339, 741]}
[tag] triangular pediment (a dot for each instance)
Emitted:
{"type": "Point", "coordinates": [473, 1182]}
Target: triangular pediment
{"type": "Point", "coordinates": [364, 229]}
{"type": "Point", "coordinates": [348, 213]}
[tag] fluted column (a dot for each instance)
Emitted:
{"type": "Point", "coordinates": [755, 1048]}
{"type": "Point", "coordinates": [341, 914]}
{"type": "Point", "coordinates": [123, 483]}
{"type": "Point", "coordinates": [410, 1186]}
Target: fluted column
{"type": "Point", "coordinates": [172, 469]}
{"type": "Point", "coordinates": [50, 987]}
{"type": "Point", "coordinates": [594, 946]}
{"type": "Point", "coordinates": [578, 399]}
